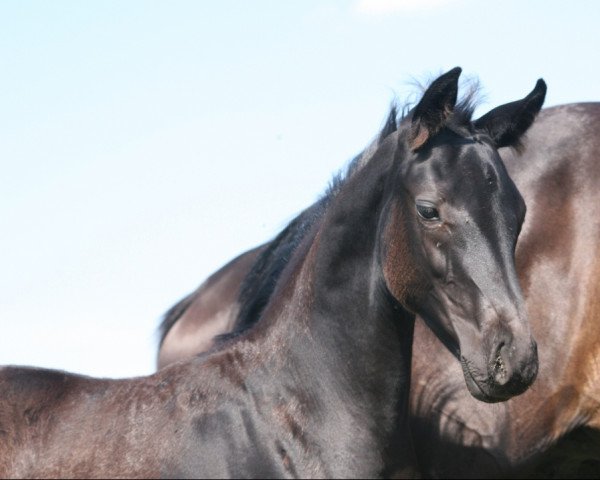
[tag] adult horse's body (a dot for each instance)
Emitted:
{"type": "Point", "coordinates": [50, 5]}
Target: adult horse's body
{"type": "Point", "coordinates": [557, 170]}
{"type": "Point", "coordinates": [553, 429]}
{"type": "Point", "coordinates": [318, 387]}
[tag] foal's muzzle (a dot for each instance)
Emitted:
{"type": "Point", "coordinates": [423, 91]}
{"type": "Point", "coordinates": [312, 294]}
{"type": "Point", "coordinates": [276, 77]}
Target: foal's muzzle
{"type": "Point", "coordinates": [510, 371]}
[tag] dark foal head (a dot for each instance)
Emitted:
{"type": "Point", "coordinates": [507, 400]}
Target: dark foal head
{"type": "Point", "coordinates": [459, 214]}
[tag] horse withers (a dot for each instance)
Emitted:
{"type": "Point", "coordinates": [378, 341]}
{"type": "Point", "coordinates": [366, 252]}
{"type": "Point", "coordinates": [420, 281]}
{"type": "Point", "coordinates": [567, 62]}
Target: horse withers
{"type": "Point", "coordinates": [318, 385]}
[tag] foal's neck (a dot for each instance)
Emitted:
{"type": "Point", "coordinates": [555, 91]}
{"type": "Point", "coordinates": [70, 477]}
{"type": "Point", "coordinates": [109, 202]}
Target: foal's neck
{"type": "Point", "coordinates": [346, 338]}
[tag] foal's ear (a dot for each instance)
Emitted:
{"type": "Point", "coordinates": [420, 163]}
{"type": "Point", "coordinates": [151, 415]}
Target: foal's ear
{"type": "Point", "coordinates": [506, 123]}
{"type": "Point", "coordinates": [434, 108]}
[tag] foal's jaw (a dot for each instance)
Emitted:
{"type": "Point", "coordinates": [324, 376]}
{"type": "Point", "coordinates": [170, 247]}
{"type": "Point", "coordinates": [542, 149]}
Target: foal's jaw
{"type": "Point", "coordinates": [497, 352]}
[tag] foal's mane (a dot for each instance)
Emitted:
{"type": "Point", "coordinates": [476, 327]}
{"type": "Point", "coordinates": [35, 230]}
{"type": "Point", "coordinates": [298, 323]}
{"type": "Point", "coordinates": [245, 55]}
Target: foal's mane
{"type": "Point", "coordinates": [259, 284]}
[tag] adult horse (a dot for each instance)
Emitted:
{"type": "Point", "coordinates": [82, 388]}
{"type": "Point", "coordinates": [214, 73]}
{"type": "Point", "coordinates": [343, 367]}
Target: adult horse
{"type": "Point", "coordinates": [318, 387]}
{"type": "Point", "coordinates": [554, 428]}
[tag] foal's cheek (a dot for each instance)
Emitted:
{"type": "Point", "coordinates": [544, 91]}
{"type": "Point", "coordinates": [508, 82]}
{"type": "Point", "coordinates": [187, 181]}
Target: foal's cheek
{"type": "Point", "coordinates": [435, 252]}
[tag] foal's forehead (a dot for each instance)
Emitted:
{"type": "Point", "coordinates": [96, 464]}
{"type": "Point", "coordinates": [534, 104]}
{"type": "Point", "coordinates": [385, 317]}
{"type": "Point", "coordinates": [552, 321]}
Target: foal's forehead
{"type": "Point", "coordinates": [465, 168]}
{"type": "Point", "coordinates": [462, 158]}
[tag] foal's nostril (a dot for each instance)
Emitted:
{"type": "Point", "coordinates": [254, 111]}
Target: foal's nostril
{"type": "Point", "coordinates": [500, 374]}
{"type": "Point", "coordinates": [512, 370]}
{"type": "Point", "coordinates": [499, 369]}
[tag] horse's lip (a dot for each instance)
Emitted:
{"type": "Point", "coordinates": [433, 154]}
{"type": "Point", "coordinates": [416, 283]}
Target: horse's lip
{"type": "Point", "coordinates": [475, 387]}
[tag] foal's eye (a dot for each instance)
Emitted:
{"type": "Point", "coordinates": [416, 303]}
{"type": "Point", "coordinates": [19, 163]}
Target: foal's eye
{"type": "Point", "coordinates": [428, 212]}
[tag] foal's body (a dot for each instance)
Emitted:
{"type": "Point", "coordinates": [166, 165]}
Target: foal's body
{"type": "Point", "coordinates": [557, 171]}
{"type": "Point", "coordinates": [314, 390]}
{"type": "Point", "coordinates": [318, 387]}
{"type": "Point", "coordinates": [231, 414]}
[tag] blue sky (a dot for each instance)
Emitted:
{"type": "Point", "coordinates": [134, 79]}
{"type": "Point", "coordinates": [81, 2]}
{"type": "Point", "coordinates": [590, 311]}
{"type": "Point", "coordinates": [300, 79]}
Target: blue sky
{"type": "Point", "coordinates": [145, 143]}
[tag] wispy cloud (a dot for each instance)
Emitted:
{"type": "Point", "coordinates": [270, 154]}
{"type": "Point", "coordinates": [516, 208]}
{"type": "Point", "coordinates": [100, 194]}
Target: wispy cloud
{"type": "Point", "coordinates": [385, 7]}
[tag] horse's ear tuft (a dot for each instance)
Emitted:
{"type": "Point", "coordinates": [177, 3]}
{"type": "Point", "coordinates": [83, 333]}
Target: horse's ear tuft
{"type": "Point", "coordinates": [507, 123]}
{"type": "Point", "coordinates": [435, 107]}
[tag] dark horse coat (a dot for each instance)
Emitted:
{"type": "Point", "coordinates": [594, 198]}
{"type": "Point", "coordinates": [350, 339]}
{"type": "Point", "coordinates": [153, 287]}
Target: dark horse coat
{"type": "Point", "coordinates": [318, 385]}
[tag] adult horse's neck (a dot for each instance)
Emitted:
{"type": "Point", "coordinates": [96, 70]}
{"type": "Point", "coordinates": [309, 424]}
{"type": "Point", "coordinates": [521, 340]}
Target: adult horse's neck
{"type": "Point", "coordinates": [346, 341]}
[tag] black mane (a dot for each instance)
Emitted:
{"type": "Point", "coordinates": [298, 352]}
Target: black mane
{"type": "Point", "coordinates": [257, 287]}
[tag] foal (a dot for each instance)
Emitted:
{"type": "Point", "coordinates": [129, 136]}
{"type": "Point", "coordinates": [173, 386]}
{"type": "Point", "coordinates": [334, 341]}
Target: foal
{"type": "Point", "coordinates": [318, 386]}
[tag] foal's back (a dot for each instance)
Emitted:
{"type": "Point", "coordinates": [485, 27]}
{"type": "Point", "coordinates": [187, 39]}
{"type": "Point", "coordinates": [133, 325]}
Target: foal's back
{"type": "Point", "coordinates": [57, 424]}
{"type": "Point", "coordinates": [49, 419]}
